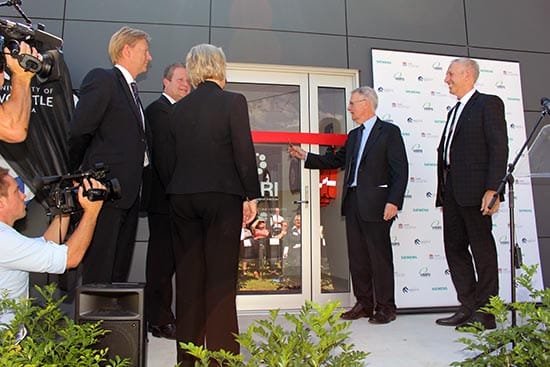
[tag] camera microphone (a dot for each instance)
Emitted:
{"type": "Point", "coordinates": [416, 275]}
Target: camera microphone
{"type": "Point", "coordinates": [545, 102]}
{"type": "Point", "coordinates": [40, 182]}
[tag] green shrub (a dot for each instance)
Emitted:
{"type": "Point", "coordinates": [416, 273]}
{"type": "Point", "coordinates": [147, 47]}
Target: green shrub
{"type": "Point", "coordinates": [52, 340]}
{"type": "Point", "coordinates": [525, 345]}
{"type": "Point", "coordinates": [318, 338]}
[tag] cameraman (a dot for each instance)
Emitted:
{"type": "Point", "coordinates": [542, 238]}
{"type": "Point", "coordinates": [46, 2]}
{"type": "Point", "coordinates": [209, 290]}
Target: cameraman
{"type": "Point", "coordinates": [16, 111]}
{"type": "Point", "coordinates": [20, 255]}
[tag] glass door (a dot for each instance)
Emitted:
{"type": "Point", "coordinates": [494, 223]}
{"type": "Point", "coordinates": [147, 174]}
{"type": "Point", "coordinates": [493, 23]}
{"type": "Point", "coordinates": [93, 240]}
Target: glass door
{"type": "Point", "coordinates": [279, 267]}
{"type": "Point", "coordinates": [328, 115]}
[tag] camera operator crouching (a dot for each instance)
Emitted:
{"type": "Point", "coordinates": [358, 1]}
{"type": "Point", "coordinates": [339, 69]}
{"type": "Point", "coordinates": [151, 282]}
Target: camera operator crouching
{"type": "Point", "coordinates": [20, 255]}
{"type": "Point", "coordinates": [15, 112]}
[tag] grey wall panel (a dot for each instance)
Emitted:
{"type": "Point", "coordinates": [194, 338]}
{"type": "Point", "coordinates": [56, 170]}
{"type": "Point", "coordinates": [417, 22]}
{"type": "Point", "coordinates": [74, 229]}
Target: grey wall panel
{"type": "Point", "coordinates": [189, 12]}
{"type": "Point", "coordinates": [138, 266]}
{"type": "Point", "coordinates": [36, 9]}
{"type": "Point", "coordinates": [360, 53]}
{"type": "Point", "coordinates": [535, 78]}
{"type": "Point", "coordinates": [508, 24]}
{"type": "Point", "coordinates": [319, 16]}
{"type": "Point", "coordinates": [168, 44]}
{"type": "Point", "coordinates": [420, 20]}
{"type": "Point", "coordinates": [284, 48]}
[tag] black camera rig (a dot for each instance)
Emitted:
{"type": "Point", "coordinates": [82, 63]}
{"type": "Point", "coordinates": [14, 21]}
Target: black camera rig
{"type": "Point", "coordinates": [48, 45]}
{"type": "Point", "coordinates": [62, 194]}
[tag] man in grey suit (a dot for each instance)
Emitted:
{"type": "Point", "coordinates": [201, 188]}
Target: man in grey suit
{"type": "Point", "coordinates": [376, 178]}
{"type": "Point", "coordinates": [471, 161]}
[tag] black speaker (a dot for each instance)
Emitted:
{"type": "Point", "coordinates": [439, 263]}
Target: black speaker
{"type": "Point", "coordinates": [121, 307]}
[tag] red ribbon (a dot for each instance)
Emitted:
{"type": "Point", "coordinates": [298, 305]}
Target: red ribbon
{"type": "Point", "coordinates": [298, 138]}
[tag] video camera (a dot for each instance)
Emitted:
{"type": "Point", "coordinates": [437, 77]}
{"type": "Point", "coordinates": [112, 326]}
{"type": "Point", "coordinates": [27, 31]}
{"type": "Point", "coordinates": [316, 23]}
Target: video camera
{"type": "Point", "coordinates": [12, 33]}
{"type": "Point", "coordinates": [62, 195]}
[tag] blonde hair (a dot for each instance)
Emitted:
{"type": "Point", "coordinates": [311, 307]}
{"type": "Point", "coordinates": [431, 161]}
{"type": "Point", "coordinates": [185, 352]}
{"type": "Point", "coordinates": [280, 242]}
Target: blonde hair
{"type": "Point", "coordinates": [204, 62]}
{"type": "Point", "coordinates": [125, 36]}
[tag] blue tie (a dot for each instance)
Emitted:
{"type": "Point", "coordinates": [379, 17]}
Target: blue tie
{"type": "Point", "coordinates": [355, 158]}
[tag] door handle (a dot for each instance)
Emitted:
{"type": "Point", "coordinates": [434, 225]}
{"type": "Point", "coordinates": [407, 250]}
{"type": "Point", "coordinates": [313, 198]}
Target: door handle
{"type": "Point", "coordinates": [306, 194]}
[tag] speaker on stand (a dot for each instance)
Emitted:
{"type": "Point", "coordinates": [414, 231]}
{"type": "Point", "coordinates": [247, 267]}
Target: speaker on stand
{"type": "Point", "coordinates": [121, 308]}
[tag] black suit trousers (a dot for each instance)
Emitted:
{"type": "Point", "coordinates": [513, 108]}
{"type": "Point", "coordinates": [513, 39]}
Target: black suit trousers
{"type": "Point", "coordinates": [370, 258]}
{"type": "Point", "coordinates": [160, 269]}
{"type": "Point", "coordinates": [206, 232]}
{"type": "Point", "coordinates": [109, 256]}
{"type": "Point", "coordinates": [467, 234]}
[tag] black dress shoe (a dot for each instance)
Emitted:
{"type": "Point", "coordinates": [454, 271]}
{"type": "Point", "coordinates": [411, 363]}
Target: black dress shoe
{"type": "Point", "coordinates": [356, 312]}
{"type": "Point", "coordinates": [382, 317]}
{"type": "Point", "coordinates": [167, 331]}
{"type": "Point", "coordinates": [457, 319]}
{"type": "Point", "coordinates": [486, 320]}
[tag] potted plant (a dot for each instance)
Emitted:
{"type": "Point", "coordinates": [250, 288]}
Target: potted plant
{"type": "Point", "coordinates": [317, 338]}
{"type": "Point", "coordinates": [526, 344]}
{"type": "Point", "coordinates": [41, 335]}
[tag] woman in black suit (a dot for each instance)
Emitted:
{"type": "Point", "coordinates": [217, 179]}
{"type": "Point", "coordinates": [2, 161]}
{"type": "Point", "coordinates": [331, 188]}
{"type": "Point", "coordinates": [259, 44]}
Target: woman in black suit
{"type": "Point", "coordinates": [212, 181]}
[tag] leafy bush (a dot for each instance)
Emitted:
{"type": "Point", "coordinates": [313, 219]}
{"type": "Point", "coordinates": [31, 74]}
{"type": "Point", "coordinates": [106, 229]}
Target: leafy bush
{"type": "Point", "coordinates": [524, 345]}
{"type": "Point", "coordinates": [52, 339]}
{"type": "Point", "coordinates": [317, 339]}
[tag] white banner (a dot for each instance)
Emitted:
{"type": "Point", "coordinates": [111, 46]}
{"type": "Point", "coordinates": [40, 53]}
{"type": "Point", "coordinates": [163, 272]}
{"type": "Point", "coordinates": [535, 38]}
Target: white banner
{"type": "Point", "coordinates": [412, 94]}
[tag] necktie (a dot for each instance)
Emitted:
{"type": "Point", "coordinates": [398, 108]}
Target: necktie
{"type": "Point", "coordinates": [133, 85]}
{"type": "Point", "coordinates": [446, 147]}
{"type": "Point", "coordinates": [355, 158]}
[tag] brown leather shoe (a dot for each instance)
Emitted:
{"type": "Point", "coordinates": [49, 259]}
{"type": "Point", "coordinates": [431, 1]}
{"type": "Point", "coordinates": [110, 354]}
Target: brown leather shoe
{"type": "Point", "coordinates": [356, 312]}
{"type": "Point", "coordinates": [382, 317]}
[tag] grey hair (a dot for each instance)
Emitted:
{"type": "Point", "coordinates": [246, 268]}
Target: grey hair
{"type": "Point", "coordinates": [369, 94]}
{"type": "Point", "coordinates": [470, 65]}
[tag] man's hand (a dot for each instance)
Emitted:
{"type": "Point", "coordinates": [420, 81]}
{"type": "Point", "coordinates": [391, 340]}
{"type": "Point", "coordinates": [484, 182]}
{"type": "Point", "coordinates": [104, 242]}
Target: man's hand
{"type": "Point", "coordinates": [297, 152]}
{"type": "Point", "coordinates": [13, 64]}
{"type": "Point", "coordinates": [390, 211]}
{"type": "Point", "coordinates": [92, 207]}
{"type": "Point", "coordinates": [250, 209]}
{"type": "Point", "coordinates": [16, 111]}
{"type": "Point", "coordinates": [486, 200]}
{"type": "Point", "coordinates": [82, 236]}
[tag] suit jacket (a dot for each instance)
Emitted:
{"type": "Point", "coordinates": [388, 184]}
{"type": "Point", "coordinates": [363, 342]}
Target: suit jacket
{"type": "Point", "coordinates": [211, 149]}
{"type": "Point", "coordinates": [157, 114]}
{"type": "Point", "coordinates": [106, 127]}
{"type": "Point", "coordinates": [383, 169]}
{"type": "Point", "coordinates": [478, 151]}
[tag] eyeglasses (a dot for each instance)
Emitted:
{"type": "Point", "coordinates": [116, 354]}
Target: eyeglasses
{"type": "Point", "coordinates": [352, 103]}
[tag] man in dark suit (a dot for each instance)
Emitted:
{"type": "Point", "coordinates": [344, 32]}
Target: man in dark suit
{"type": "Point", "coordinates": [376, 177]}
{"type": "Point", "coordinates": [160, 259]}
{"type": "Point", "coordinates": [471, 161]}
{"type": "Point", "coordinates": [109, 126]}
